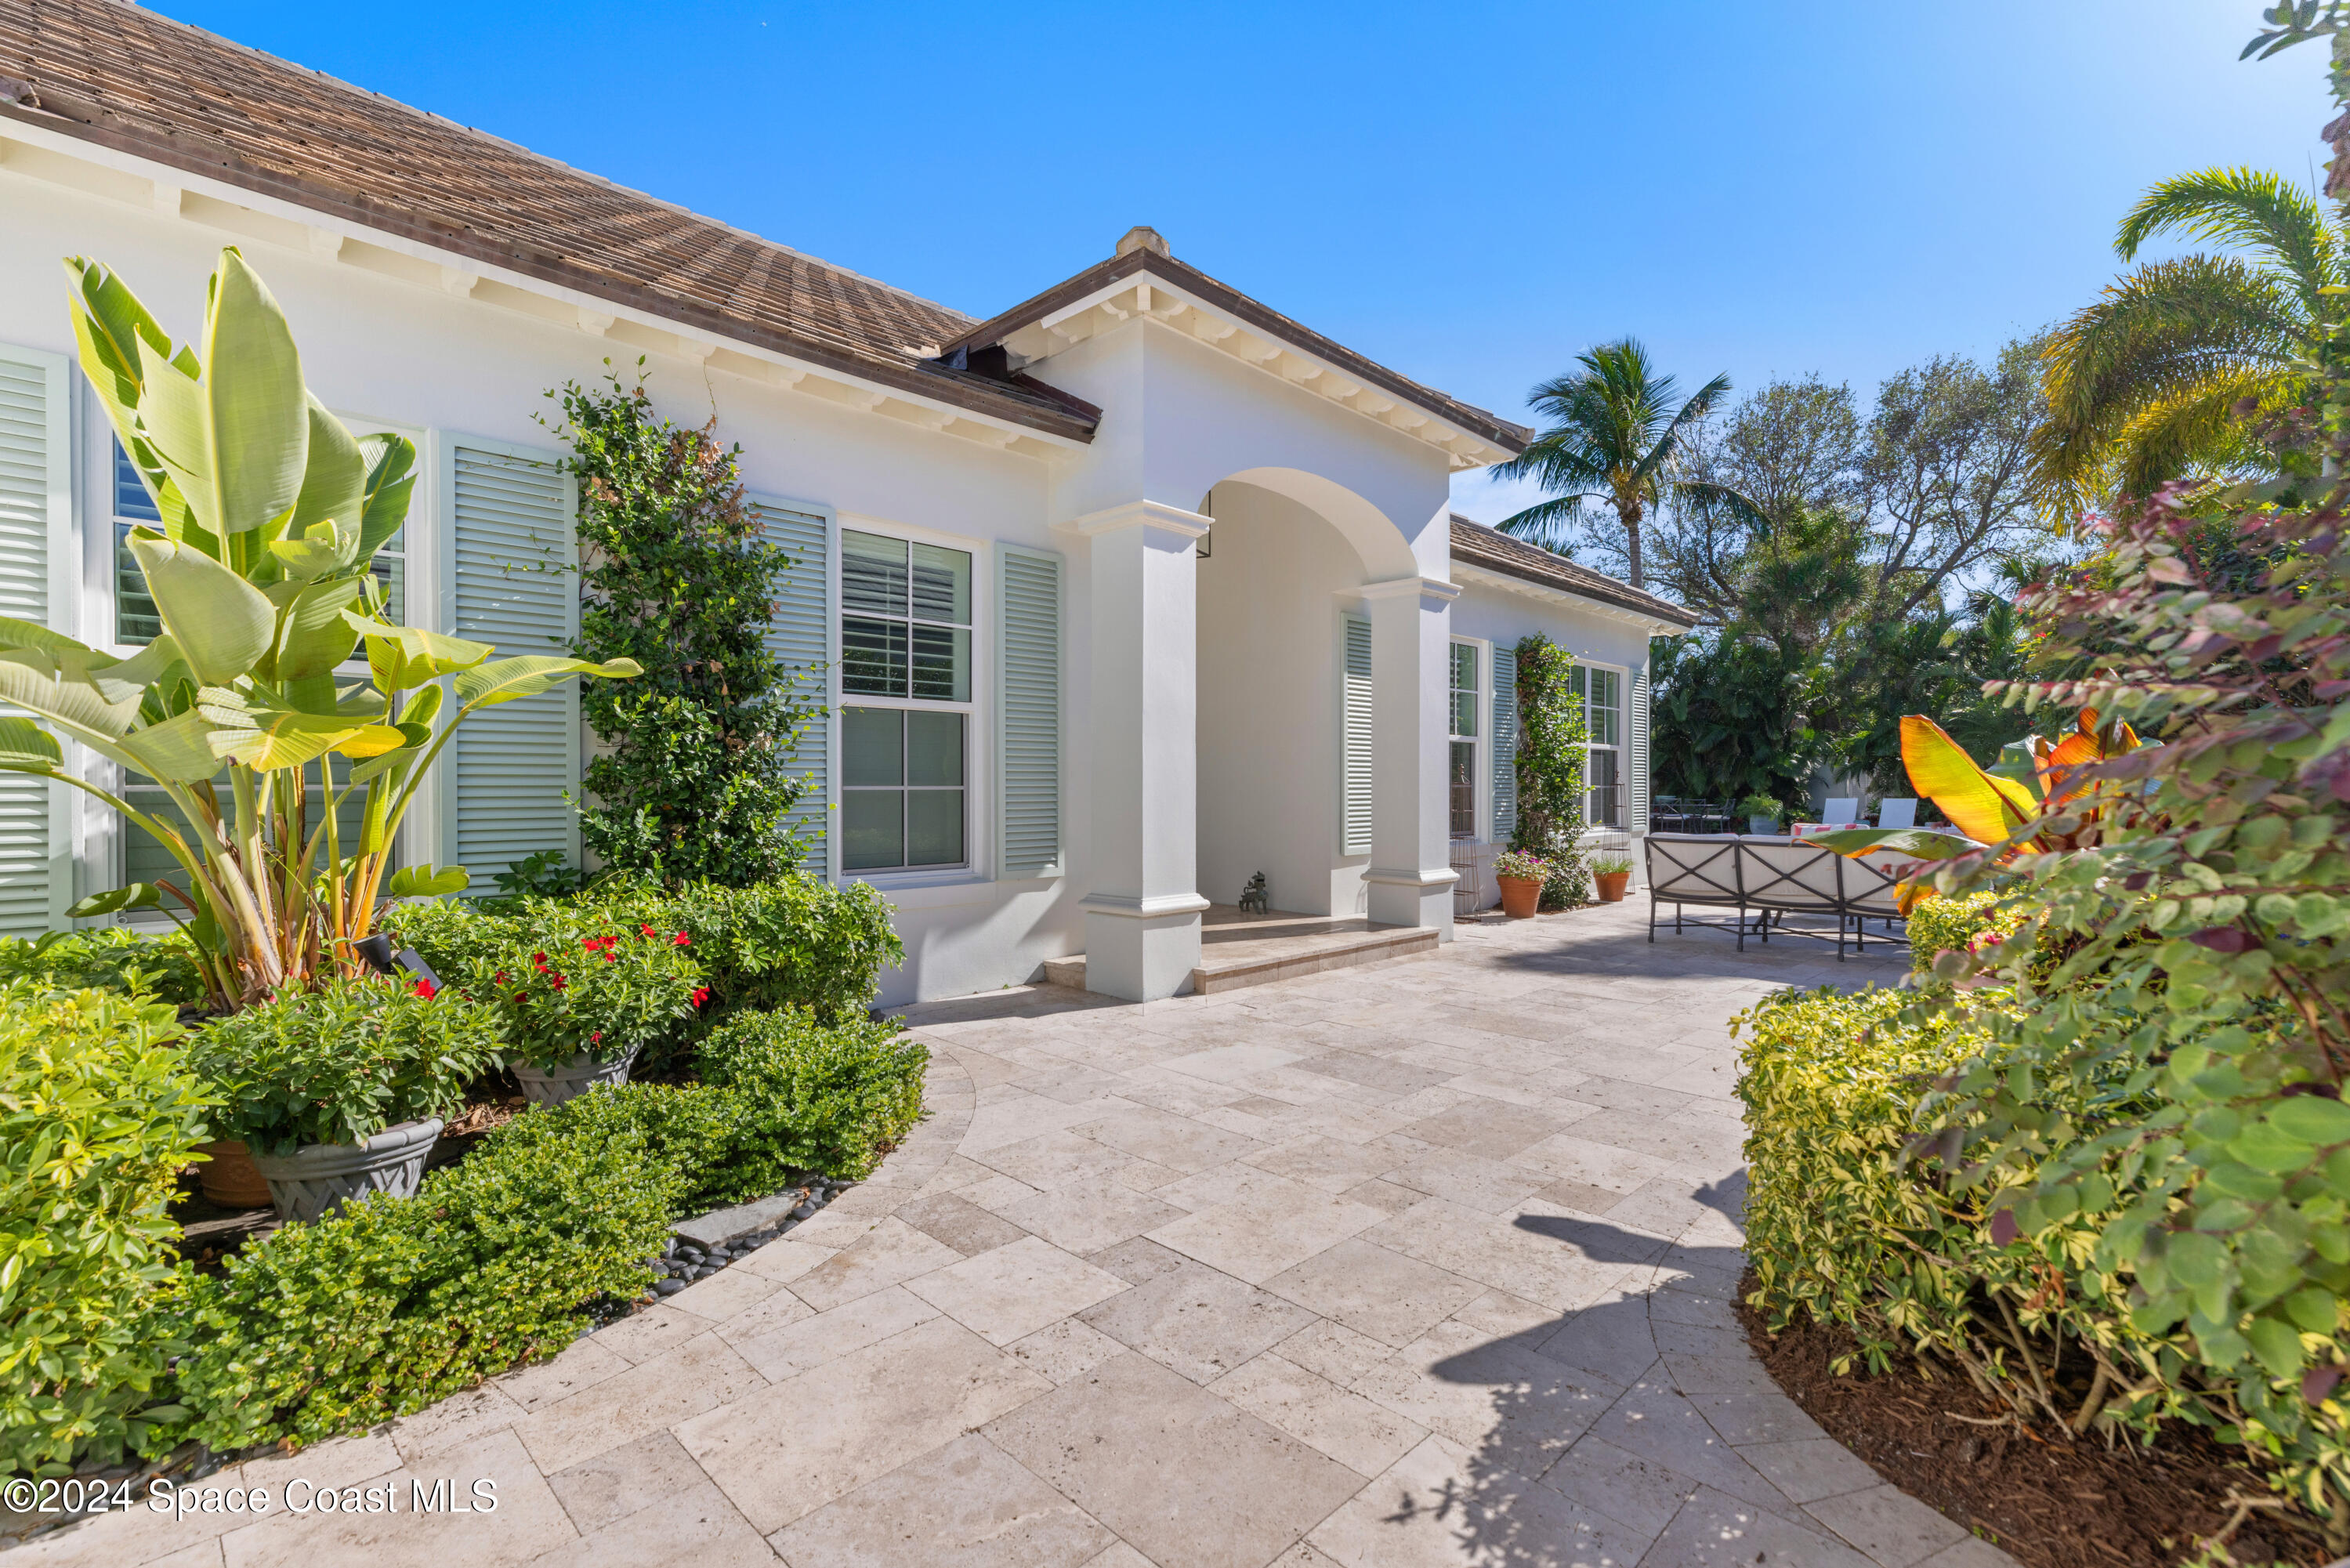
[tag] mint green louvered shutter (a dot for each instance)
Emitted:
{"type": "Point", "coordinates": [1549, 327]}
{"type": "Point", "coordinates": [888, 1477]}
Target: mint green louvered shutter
{"type": "Point", "coordinates": [1505, 743]}
{"type": "Point", "coordinates": [36, 522]}
{"type": "Point", "coordinates": [515, 589]}
{"type": "Point", "coordinates": [1028, 713]}
{"type": "Point", "coordinates": [800, 636]}
{"type": "Point", "coordinates": [1355, 696]}
{"type": "Point", "coordinates": [1637, 723]}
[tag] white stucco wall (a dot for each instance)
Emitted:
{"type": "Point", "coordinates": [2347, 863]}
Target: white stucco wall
{"type": "Point", "coordinates": [1270, 704]}
{"type": "Point", "coordinates": [383, 351]}
{"type": "Point", "coordinates": [1311, 498]}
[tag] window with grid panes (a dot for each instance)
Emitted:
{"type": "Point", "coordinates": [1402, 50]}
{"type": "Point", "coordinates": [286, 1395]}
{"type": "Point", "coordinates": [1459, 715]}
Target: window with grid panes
{"type": "Point", "coordinates": [905, 650]}
{"type": "Point", "coordinates": [1461, 775]}
{"type": "Point", "coordinates": [1602, 692]}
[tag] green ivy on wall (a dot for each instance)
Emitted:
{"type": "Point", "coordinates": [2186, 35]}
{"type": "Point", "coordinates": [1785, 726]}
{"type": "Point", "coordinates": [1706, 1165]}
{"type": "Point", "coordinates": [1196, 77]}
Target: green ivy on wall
{"type": "Point", "coordinates": [1552, 754]}
{"type": "Point", "coordinates": [676, 575]}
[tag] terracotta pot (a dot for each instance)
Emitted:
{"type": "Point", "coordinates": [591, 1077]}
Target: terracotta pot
{"type": "Point", "coordinates": [1612, 885]}
{"type": "Point", "coordinates": [1521, 896]}
{"type": "Point", "coordinates": [229, 1178]}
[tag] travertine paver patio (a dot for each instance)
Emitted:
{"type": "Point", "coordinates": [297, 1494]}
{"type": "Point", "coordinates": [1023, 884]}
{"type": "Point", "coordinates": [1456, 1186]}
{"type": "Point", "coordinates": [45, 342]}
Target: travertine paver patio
{"type": "Point", "coordinates": [1421, 1263]}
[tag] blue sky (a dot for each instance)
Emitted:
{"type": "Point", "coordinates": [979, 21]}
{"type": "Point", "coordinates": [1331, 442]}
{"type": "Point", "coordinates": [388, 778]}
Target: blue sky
{"type": "Point", "coordinates": [1467, 194]}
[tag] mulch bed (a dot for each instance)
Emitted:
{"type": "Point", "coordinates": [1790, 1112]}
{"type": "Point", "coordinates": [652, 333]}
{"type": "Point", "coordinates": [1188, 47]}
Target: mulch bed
{"type": "Point", "coordinates": [2048, 1501]}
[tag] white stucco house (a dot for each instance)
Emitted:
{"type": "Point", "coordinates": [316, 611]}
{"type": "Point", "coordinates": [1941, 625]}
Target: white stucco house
{"type": "Point", "coordinates": [1122, 595]}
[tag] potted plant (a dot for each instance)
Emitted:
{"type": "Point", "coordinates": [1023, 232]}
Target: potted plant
{"type": "Point", "coordinates": [577, 1002]}
{"type": "Point", "coordinates": [1521, 874]}
{"type": "Point", "coordinates": [341, 1090]}
{"type": "Point", "coordinates": [1612, 874]}
{"type": "Point", "coordinates": [1762, 813]}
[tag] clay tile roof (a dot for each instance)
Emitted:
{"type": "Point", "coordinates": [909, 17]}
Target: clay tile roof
{"type": "Point", "coordinates": [1495, 551]}
{"type": "Point", "coordinates": [129, 79]}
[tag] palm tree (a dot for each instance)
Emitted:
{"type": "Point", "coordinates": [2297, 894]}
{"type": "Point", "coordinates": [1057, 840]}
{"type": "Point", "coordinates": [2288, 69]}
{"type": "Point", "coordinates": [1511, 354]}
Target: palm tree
{"type": "Point", "coordinates": [1616, 436]}
{"type": "Point", "coordinates": [2143, 386]}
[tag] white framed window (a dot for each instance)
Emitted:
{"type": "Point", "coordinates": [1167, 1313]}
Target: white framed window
{"type": "Point", "coordinates": [1466, 701]}
{"type": "Point", "coordinates": [906, 704]}
{"type": "Point", "coordinates": [1602, 690]}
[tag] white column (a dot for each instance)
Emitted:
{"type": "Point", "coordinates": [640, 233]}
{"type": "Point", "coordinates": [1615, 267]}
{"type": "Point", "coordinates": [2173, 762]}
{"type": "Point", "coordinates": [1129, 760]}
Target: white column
{"type": "Point", "coordinates": [1410, 877]}
{"type": "Point", "coordinates": [1142, 914]}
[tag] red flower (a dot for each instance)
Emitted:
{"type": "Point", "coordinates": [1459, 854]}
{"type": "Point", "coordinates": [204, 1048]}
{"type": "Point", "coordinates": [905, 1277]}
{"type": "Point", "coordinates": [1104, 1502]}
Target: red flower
{"type": "Point", "coordinates": [597, 1038]}
{"type": "Point", "coordinates": [680, 941]}
{"type": "Point", "coordinates": [501, 976]}
{"type": "Point", "coordinates": [611, 958]}
{"type": "Point", "coordinates": [538, 961]}
{"type": "Point", "coordinates": [556, 981]}
{"type": "Point", "coordinates": [701, 994]}
{"type": "Point", "coordinates": [649, 930]}
{"type": "Point", "coordinates": [427, 990]}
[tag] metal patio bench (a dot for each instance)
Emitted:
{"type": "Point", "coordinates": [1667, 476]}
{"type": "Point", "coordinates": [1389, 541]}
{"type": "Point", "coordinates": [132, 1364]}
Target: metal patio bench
{"type": "Point", "coordinates": [1765, 879]}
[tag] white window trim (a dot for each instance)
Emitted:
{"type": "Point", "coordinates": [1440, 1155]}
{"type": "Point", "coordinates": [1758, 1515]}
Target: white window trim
{"type": "Point", "coordinates": [1622, 746]}
{"type": "Point", "coordinates": [979, 714]}
{"type": "Point", "coordinates": [1480, 776]}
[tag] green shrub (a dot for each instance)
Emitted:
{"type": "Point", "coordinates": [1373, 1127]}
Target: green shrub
{"type": "Point", "coordinates": [796, 941]}
{"type": "Point", "coordinates": [97, 1115]}
{"type": "Point", "coordinates": [691, 1132]}
{"type": "Point", "coordinates": [1954, 923]}
{"type": "Point", "coordinates": [394, 1303]}
{"type": "Point", "coordinates": [824, 1097]}
{"type": "Point", "coordinates": [341, 1063]}
{"type": "Point", "coordinates": [107, 957]}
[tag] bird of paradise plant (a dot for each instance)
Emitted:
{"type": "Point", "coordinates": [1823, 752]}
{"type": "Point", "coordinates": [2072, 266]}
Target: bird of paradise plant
{"type": "Point", "coordinates": [261, 572]}
{"type": "Point", "coordinates": [2042, 797]}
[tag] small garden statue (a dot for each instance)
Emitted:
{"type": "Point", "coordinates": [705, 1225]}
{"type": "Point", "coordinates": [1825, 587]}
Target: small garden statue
{"type": "Point", "coordinates": [1254, 898]}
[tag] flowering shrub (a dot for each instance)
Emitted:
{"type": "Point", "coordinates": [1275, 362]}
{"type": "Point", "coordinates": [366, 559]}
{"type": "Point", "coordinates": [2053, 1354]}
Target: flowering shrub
{"type": "Point", "coordinates": [561, 989]}
{"type": "Point", "coordinates": [341, 1063]}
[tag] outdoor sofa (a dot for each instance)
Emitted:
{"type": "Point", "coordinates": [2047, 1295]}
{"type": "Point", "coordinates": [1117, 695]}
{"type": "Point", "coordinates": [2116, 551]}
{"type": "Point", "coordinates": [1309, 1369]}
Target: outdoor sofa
{"type": "Point", "coordinates": [1767, 879]}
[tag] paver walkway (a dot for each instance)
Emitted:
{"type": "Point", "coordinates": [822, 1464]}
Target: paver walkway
{"type": "Point", "coordinates": [1423, 1263]}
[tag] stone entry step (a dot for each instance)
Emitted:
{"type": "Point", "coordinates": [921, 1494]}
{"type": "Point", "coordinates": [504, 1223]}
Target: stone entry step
{"type": "Point", "coordinates": [1237, 949]}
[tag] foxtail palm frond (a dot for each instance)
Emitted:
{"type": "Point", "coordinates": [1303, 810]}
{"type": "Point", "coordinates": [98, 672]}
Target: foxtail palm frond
{"type": "Point", "coordinates": [2160, 337]}
{"type": "Point", "coordinates": [2254, 211]}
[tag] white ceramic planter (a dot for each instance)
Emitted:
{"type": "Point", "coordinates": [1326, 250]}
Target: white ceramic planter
{"type": "Point", "coordinates": [318, 1179]}
{"type": "Point", "coordinates": [553, 1086]}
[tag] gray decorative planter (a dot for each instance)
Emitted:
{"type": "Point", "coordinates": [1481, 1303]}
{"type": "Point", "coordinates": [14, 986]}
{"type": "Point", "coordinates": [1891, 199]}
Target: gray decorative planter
{"type": "Point", "coordinates": [317, 1178]}
{"type": "Point", "coordinates": [553, 1086]}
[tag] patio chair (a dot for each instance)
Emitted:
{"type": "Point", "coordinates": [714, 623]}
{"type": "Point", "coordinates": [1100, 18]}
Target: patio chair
{"type": "Point", "coordinates": [1897, 813]}
{"type": "Point", "coordinates": [1841, 812]}
{"type": "Point", "coordinates": [1699, 869]}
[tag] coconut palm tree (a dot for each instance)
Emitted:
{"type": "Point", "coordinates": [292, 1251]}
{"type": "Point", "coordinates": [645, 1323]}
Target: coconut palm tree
{"type": "Point", "coordinates": [2144, 385]}
{"type": "Point", "coordinates": [1616, 436]}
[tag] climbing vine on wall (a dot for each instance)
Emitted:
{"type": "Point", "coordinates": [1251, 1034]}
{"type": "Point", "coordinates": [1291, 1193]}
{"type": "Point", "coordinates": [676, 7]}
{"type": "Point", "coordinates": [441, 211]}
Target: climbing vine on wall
{"type": "Point", "coordinates": [676, 575]}
{"type": "Point", "coordinates": [1552, 752]}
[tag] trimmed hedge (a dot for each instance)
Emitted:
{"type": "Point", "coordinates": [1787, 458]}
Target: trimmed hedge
{"type": "Point", "coordinates": [97, 1115]}
{"type": "Point", "coordinates": [1955, 921]}
{"type": "Point", "coordinates": [1856, 1217]}
{"type": "Point", "coordinates": [830, 1098]}
{"type": "Point", "coordinates": [394, 1303]}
